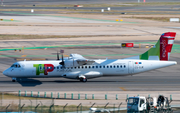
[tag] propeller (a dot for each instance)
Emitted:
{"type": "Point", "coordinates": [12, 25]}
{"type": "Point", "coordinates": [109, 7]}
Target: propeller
{"type": "Point", "coordinates": [62, 62]}
{"type": "Point", "coordinates": [57, 55]}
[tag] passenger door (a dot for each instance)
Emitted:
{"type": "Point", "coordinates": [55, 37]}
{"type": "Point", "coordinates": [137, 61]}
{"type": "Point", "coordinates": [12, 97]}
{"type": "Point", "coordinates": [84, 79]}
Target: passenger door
{"type": "Point", "coordinates": [130, 67]}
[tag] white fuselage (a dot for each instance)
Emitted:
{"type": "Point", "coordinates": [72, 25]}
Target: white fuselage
{"type": "Point", "coordinates": [110, 67]}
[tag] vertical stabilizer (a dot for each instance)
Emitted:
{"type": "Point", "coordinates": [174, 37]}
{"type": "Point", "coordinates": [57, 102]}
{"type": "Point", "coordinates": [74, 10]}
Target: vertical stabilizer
{"type": "Point", "coordinates": [166, 43]}
{"type": "Point", "coordinates": [162, 49]}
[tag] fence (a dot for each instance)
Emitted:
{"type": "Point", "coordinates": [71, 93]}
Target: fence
{"type": "Point", "coordinates": [56, 102]}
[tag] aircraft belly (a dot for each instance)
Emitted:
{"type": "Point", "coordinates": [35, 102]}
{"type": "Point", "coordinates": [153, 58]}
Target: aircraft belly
{"type": "Point", "coordinates": [116, 72]}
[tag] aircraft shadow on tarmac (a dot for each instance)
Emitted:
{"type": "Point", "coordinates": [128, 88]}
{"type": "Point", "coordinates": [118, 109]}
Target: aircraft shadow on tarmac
{"type": "Point", "coordinates": [63, 81]}
{"type": "Point", "coordinates": [28, 82]}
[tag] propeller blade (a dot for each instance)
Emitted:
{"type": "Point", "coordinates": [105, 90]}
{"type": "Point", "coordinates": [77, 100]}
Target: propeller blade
{"type": "Point", "coordinates": [62, 62]}
{"type": "Point", "coordinates": [57, 56]}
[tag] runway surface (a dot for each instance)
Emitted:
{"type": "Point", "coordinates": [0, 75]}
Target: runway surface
{"type": "Point", "coordinates": [54, 2]}
{"type": "Point", "coordinates": [165, 79]}
{"type": "Point", "coordinates": [126, 9]}
{"type": "Point", "coordinates": [168, 9]}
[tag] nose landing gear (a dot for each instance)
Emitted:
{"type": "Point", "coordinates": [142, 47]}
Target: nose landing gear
{"type": "Point", "coordinates": [13, 79]}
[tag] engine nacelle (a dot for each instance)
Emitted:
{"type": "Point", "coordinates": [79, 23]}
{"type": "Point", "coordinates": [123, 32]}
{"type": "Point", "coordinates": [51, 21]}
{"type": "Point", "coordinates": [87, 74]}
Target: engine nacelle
{"type": "Point", "coordinates": [71, 63]}
{"type": "Point", "coordinates": [76, 60]}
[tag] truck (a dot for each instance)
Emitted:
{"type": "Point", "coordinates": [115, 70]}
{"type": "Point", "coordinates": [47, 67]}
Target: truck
{"type": "Point", "coordinates": [142, 104]}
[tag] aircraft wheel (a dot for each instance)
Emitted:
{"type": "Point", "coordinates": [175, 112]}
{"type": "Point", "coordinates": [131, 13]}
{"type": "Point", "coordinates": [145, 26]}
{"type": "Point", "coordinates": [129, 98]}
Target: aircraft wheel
{"type": "Point", "coordinates": [81, 79]}
{"type": "Point", "coordinates": [84, 79]}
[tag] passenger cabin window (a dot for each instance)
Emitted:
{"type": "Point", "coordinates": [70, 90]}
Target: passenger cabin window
{"type": "Point", "coordinates": [124, 66]}
{"type": "Point", "coordinates": [49, 67]}
{"type": "Point", "coordinates": [85, 66]}
{"type": "Point", "coordinates": [89, 66]}
{"type": "Point", "coordinates": [92, 66]}
{"type": "Point", "coordinates": [110, 66]}
{"type": "Point", "coordinates": [107, 66]}
{"type": "Point", "coordinates": [58, 67]}
{"type": "Point", "coordinates": [99, 66]}
{"type": "Point", "coordinates": [96, 66]}
{"type": "Point", "coordinates": [121, 66]}
{"type": "Point", "coordinates": [104, 66]}
{"type": "Point", "coordinates": [117, 66]}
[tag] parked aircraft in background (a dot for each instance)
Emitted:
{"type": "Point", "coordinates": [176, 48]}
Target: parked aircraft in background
{"type": "Point", "coordinates": [77, 67]}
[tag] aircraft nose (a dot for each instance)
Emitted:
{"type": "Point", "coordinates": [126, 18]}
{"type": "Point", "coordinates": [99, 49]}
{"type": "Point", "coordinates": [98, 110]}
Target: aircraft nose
{"type": "Point", "coordinates": [5, 72]}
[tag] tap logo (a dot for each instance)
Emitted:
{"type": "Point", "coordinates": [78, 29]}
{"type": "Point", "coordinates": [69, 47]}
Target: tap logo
{"type": "Point", "coordinates": [43, 68]}
{"type": "Point", "coordinates": [165, 48]}
{"type": "Point", "coordinates": [163, 45]}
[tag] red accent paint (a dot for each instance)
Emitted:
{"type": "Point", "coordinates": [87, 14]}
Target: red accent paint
{"type": "Point", "coordinates": [169, 34]}
{"type": "Point", "coordinates": [165, 48]}
{"type": "Point", "coordinates": [48, 68]}
{"type": "Point", "coordinates": [144, 0]}
{"type": "Point", "coordinates": [129, 44]}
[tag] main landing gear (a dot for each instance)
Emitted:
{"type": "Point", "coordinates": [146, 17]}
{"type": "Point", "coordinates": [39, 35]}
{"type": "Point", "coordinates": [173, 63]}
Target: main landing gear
{"type": "Point", "coordinates": [83, 79]}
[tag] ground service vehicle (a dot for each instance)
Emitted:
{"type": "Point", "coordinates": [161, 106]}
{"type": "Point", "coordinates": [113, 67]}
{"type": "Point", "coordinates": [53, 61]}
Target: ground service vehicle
{"type": "Point", "coordinates": [141, 104]}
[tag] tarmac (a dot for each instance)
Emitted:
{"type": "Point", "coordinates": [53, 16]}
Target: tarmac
{"type": "Point", "coordinates": [110, 33]}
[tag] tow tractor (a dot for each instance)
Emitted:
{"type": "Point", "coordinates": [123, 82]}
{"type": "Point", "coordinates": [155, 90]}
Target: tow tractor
{"type": "Point", "coordinates": [141, 104]}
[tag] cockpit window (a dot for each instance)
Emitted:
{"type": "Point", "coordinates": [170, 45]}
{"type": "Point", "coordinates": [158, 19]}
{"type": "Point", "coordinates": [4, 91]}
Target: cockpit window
{"type": "Point", "coordinates": [16, 65]}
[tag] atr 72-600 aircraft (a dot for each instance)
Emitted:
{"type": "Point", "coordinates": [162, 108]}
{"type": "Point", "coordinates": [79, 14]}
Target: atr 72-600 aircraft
{"type": "Point", "coordinates": [78, 67]}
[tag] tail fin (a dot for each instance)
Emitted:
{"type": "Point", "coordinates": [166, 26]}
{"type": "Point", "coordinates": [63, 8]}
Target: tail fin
{"type": "Point", "coordinates": [162, 49]}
